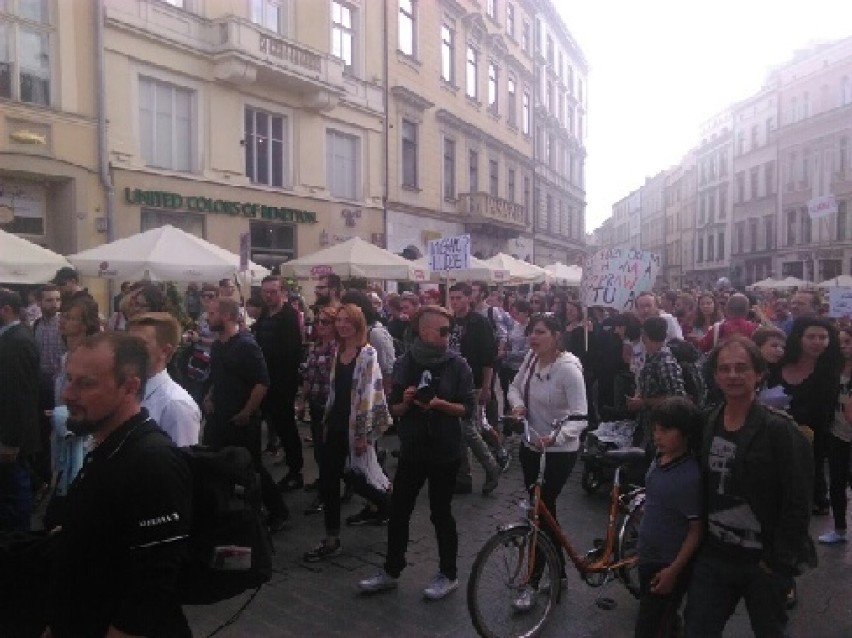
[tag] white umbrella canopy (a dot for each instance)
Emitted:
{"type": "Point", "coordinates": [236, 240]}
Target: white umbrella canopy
{"type": "Point", "coordinates": [479, 271]}
{"type": "Point", "coordinates": [23, 262]}
{"type": "Point", "coordinates": [354, 258]}
{"type": "Point", "coordinates": [565, 275]}
{"type": "Point", "coordinates": [763, 284]}
{"type": "Point", "coordinates": [162, 254]}
{"type": "Point", "coordinates": [519, 271]}
{"type": "Point", "coordinates": [841, 281]}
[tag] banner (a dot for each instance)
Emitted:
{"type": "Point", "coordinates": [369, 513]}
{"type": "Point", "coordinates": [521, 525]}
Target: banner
{"type": "Point", "coordinates": [820, 207]}
{"type": "Point", "coordinates": [613, 277]}
{"type": "Point", "coordinates": [840, 302]}
{"type": "Point", "coordinates": [449, 253]}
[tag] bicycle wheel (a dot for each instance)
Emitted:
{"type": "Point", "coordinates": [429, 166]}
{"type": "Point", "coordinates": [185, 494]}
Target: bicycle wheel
{"type": "Point", "coordinates": [628, 547]}
{"type": "Point", "coordinates": [497, 579]}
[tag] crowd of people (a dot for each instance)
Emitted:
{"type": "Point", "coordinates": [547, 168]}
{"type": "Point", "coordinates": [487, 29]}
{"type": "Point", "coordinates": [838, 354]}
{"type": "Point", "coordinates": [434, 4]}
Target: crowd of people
{"type": "Point", "coordinates": [81, 388]}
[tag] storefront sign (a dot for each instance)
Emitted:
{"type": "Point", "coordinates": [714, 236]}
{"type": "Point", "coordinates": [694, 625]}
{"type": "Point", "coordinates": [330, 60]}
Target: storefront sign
{"type": "Point", "coordinates": [200, 204]}
{"type": "Point", "coordinates": [613, 278]}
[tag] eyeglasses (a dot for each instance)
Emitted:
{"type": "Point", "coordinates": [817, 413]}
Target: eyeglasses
{"type": "Point", "coordinates": [326, 322]}
{"type": "Point", "coordinates": [209, 295]}
{"type": "Point", "coordinates": [442, 330]}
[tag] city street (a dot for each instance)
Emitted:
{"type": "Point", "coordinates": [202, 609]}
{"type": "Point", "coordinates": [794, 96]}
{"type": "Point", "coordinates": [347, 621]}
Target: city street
{"type": "Point", "coordinates": [322, 599]}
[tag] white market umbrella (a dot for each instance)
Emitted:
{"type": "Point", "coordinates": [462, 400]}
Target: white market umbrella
{"type": "Point", "coordinates": [841, 281]}
{"type": "Point", "coordinates": [565, 275]}
{"type": "Point", "coordinates": [764, 284]}
{"type": "Point", "coordinates": [23, 262]}
{"type": "Point", "coordinates": [792, 282]}
{"type": "Point", "coordinates": [479, 271]}
{"type": "Point", "coordinates": [162, 254]}
{"type": "Point", "coordinates": [354, 258]}
{"type": "Point", "coordinates": [519, 271]}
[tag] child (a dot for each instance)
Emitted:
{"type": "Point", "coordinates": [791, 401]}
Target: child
{"type": "Point", "coordinates": [671, 527]}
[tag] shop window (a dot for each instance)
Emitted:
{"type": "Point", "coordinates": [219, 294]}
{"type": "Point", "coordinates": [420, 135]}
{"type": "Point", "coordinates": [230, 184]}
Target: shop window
{"type": "Point", "coordinates": [267, 148]}
{"type": "Point", "coordinates": [342, 164]}
{"type": "Point", "coordinates": [25, 53]}
{"type": "Point", "coordinates": [166, 124]}
{"type": "Point", "coordinates": [25, 204]}
{"type": "Point", "coordinates": [191, 223]}
{"type": "Point", "coordinates": [272, 243]}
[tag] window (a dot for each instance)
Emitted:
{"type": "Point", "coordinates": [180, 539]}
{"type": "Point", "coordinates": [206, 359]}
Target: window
{"type": "Point", "coordinates": [191, 223]}
{"type": "Point", "coordinates": [471, 72]}
{"type": "Point", "coordinates": [473, 171]}
{"type": "Point", "coordinates": [769, 127]}
{"type": "Point", "coordinates": [409, 154]}
{"type": "Point", "coordinates": [166, 124]}
{"type": "Point", "coordinates": [491, 9]}
{"type": "Point", "coordinates": [842, 155]}
{"type": "Point", "coordinates": [806, 226]}
{"type": "Point", "coordinates": [699, 245]}
{"type": "Point", "coordinates": [493, 73]}
{"type": "Point", "coordinates": [267, 152]}
{"type": "Point", "coordinates": [791, 227]}
{"type": "Point", "coordinates": [342, 164]}
{"type": "Point", "coordinates": [804, 175]}
{"type": "Point", "coordinates": [525, 112]}
{"type": "Point", "coordinates": [525, 37]}
{"type": "Point", "coordinates": [845, 91]}
{"type": "Point", "coordinates": [711, 246]}
{"type": "Point", "coordinates": [548, 97]}
{"type": "Point", "coordinates": [493, 178]}
{"type": "Point", "coordinates": [752, 224]}
{"type": "Point", "coordinates": [449, 169]}
{"type": "Point", "coordinates": [740, 143]}
{"type": "Point", "coordinates": [720, 245]}
{"type": "Point", "coordinates": [510, 185]}
{"type": "Point", "coordinates": [448, 54]}
{"type": "Point", "coordinates": [33, 10]}
{"type": "Point", "coordinates": [25, 54]}
{"type": "Point", "coordinates": [560, 68]}
{"type": "Point", "coordinates": [180, 4]}
{"type": "Point", "coordinates": [510, 19]}
{"type": "Point", "coordinates": [791, 170]}
{"type": "Point", "coordinates": [511, 102]}
{"type": "Point", "coordinates": [551, 151]}
{"type": "Point", "coordinates": [547, 221]}
{"type": "Point", "coordinates": [527, 197]}
{"type": "Point", "coordinates": [407, 32]}
{"type": "Point", "coordinates": [754, 137]}
{"type": "Point", "coordinates": [343, 33]}
{"type": "Point", "coordinates": [549, 50]}
{"type": "Point", "coordinates": [723, 201]}
{"type": "Point", "coordinates": [740, 187]}
{"type": "Point", "coordinates": [754, 178]}
{"type": "Point", "coordinates": [769, 227]}
{"type": "Point", "coordinates": [769, 177]}
{"type": "Point", "coordinates": [711, 207]}
{"type": "Point", "coordinates": [794, 110]}
{"type": "Point", "coordinates": [841, 220]}
{"type": "Point", "coordinates": [269, 14]}
{"type": "Point", "coordinates": [806, 105]}
{"type": "Point", "coordinates": [272, 242]}
{"type": "Point", "coordinates": [739, 247]}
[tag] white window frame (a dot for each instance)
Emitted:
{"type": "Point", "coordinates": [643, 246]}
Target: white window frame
{"type": "Point", "coordinates": [510, 20]}
{"type": "Point", "coordinates": [471, 72]}
{"type": "Point", "coordinates": [332, 136]}
{"type": "Point", "coordinates": [159, 79]}
{"type": "Point", "coordinates": [526, 115]}
{"type": "Point", "coordinates": [12, 58]}
{"type": "Point", "coordinates": [407, 17]}
{"type": "Point", "coordinates": [286, 151]}
{"type": "Point", "coordinates": [448, 46]}
{"type": "Point", "coordinates": [339, 33]}
{"type": "Point", "coordinates": [511, 100]}
{"type": "Point", "coordinates": [258, 14]}
{"type": "Point", "coordinates": [493, 86]}
{"type": "Point", "coordinates": [493, 177]}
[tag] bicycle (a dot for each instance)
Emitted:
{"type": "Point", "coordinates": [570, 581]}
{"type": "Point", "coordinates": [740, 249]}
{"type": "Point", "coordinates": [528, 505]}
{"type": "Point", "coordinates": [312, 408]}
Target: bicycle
{"type": "Point", "coordinates": [518, 559]}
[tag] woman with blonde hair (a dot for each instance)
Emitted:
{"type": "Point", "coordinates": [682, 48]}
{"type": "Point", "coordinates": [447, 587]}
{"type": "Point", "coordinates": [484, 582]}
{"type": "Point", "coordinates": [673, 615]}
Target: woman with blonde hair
{"type": "Point", "coordinates": [356, 413]}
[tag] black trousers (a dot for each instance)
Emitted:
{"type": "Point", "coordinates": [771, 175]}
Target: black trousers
{"type": "Point", "coordinates": [838, 478]}
{"type": "Point", "coordinates": [218, 435]}
{"type": "Point", "coordinates": [507, 375]}
{"type": "Point", "coordinates": [658, 612]}
{"type": "Point", "coordinates": [821, 449]}
{"type": "Point", "coordinates": [317, 409]}
{"type": "Point", "coordinates": [411, 473]}
{"type": "Point", "coordinates": [279, 412]}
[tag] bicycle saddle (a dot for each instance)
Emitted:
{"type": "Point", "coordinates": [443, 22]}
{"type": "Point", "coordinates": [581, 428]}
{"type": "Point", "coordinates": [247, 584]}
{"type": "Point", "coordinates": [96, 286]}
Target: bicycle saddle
{"type": "Point", "coordinates": [626, 455]}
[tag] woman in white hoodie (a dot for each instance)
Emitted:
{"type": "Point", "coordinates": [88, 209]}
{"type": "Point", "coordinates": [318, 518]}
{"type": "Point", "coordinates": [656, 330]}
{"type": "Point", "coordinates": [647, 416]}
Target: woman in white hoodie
{"type": "Point", "coordinates": [549, 386]}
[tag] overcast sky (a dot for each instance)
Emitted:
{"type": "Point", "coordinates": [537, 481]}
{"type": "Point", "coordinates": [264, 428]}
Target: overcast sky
{"type": "Point", "coordinates": [659, 68]}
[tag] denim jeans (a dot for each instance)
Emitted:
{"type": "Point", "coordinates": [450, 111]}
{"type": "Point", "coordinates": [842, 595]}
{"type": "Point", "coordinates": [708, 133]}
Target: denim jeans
{"type": "Point", "coordinates": [717, 586]}
{"type": "Point", "coordinates": [472, 440]}
{"type": "Point", "coordinates": [16, 497]}
{"type": "Point", "coordinates": [411, 473]}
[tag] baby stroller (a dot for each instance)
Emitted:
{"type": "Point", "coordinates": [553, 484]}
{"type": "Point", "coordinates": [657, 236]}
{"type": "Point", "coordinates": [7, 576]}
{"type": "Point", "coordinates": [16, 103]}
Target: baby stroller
{"type": "Point", "coordinates": [616, 431]}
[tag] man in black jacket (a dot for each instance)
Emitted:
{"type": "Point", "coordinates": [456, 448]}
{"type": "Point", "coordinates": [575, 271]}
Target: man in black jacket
{"type": "Point", "coordinates": [123, 535]}
{"type": "Point", "coordinates": [279, 337]}
{"type": "Point", "coordinates": [759, 483]}
{"type": "Point", "coordinates": [432, 393]}
{"type": "Point", "coordinates": [473, 338]}
{"type": "Point", "coordinates": [19, 414]}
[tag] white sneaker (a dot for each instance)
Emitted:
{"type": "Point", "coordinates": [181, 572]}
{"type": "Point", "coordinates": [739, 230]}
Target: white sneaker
{"type": "Point", "coordinates": [439, 587]}
{"type": "Point", "coordinates": [380, 581]}
{"type": "Point", "coordinates": [833, 537]}
{"type": "Point", "coordinates": [525, 600]}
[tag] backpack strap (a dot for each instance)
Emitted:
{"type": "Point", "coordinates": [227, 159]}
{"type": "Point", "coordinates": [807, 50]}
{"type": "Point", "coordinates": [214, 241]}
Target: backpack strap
{"type": "Point", "coordinates": [530, 370]}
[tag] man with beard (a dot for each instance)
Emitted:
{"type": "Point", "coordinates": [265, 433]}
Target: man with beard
{"type": "Point", "coordinates": [123, 536]}
{"type": "Point", "coordinates": [279, 337]}
{"type": "Point", "coordinates": [237, 386]}
{"type": "Point", "coordinates": [328, 291]}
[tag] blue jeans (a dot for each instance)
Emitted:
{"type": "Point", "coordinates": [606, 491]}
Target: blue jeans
{"type": "Point", "coordinates": [717, 586]}
{"type": "Point", "coordinates": [16, 497]}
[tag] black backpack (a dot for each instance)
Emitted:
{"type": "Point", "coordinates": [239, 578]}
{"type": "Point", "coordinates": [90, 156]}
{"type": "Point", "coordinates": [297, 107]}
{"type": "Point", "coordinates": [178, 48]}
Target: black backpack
{"type": "Point", "coordinates": [687, 356]}
{"type": "Point", "coordinates": [230, 550]}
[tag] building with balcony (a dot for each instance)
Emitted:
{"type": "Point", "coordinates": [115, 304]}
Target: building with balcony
{"type": "Point", "coordinates": [49, 186]}
{"type": "Point", "coordinates": [260, 116]}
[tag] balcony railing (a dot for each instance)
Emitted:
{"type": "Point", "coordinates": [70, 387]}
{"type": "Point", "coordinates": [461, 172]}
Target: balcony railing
{"type": "Point", "coordinates": [484, 208]}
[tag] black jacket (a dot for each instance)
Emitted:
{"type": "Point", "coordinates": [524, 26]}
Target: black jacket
{"type": "Point", "coordinates": [431, 434]}
{"type": "Point", "coordinates": [123, 538]}
{"type": "Point", "coordinates": [280, 339]}
{"type": "Point", "coordinates": [478, 345]}
{"type": "Point", "coordinates": [774, 468]}
{"type": "Point", "coordinates": [19, 390]}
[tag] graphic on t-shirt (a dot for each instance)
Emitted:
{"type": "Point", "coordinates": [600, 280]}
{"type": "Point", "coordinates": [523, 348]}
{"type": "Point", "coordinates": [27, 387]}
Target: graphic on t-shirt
{"type": "Point", "coordinates": [731, 520]}
{"type": "Point", "coordinates": [456, 335]}
{"type": "Point", "coordinates": [425, 380]}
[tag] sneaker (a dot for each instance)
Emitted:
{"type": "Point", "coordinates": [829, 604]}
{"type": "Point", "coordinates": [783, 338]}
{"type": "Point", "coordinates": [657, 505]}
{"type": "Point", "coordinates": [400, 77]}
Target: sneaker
{"type": "Point", "coordinates": [525, 600]}
{"type": "Point", "coordinates": [316, 507]}
{"type": "Point", "coordinates": [380, 581]}
{"type": "Point", "coordinates": [322, 551]}
{"type": "Point", "coordinates": [441, 586]}
{"type": "Point", "coordinates": [833, 537]}
{"type": "Point", "coordinates": [490, 485]}
{"type": "Point", "coordinates": [504, 459]}
{"type": "Point", "coordinates": [291, 482]}
{"type": "Point", "coordinates": [365, 516]}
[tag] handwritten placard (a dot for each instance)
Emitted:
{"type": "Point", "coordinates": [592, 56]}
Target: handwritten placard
{"type": "Point", "coordinates": [840, 302]}
{"type": "Point", "coordinates": [450, 253]}
{"type": "Point", "coordinates": [613, 277]}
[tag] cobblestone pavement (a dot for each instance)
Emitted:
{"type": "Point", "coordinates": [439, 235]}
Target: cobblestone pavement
{"type": "Point", "coordinates": [321, 599]}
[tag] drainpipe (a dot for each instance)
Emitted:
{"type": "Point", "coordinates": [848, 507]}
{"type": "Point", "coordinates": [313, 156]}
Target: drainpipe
{"type": "Point", "coordinates": [103, 153]}
{"type": "Point", "coordinates": [385, 42]}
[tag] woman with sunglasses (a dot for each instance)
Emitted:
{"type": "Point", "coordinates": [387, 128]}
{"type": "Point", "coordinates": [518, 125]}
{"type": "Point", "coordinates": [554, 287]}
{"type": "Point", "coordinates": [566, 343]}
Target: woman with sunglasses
{"type": "Point", "coordinates": [315, 387]}
{"type": "Point", "coordinates": [356, 413]}
{"type": "Point", "coordinates": [549, 386]}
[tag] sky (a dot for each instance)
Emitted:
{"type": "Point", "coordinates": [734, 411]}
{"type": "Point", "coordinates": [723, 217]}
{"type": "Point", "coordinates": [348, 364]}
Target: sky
{"type": "Point", "coordinates": [659, 68]}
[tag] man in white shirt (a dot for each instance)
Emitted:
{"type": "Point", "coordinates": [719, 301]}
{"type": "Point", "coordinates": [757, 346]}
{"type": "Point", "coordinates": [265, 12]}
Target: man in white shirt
{"type": "Point", "coordinates": [645, 308]}
{"type": "Point", "coordinates": [174, 410]}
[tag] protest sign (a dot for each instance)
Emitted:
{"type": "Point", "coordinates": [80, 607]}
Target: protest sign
{"type": "Point", "coordinates": [613, 277]}
{"type": "Point", "coordinates": [450, 253]}
{"type": "Point", "coordinates": [840, 302]}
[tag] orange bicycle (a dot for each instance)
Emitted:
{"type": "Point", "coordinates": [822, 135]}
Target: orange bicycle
{"type": "Point", "coordinates": [515, 582]}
